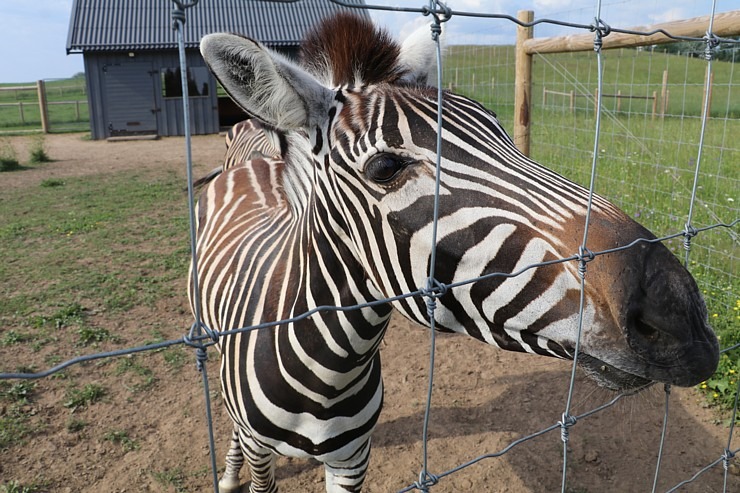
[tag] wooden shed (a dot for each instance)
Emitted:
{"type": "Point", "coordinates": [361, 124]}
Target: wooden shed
{"type": "Point", "coordinates": [132, 63]}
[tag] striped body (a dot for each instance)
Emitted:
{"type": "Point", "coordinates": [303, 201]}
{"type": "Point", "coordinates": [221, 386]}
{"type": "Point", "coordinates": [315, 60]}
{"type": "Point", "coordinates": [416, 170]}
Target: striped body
{"type": "Point", "coordinates": [342, 215]}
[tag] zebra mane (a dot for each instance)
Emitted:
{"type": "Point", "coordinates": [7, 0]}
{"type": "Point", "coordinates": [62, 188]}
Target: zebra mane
{"type": "Point", "coordinates": [347, 49]}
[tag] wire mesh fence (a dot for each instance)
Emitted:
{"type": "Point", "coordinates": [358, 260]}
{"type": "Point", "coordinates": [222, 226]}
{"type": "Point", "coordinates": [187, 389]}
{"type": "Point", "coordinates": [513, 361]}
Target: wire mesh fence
{"type": "Point", "coordinates": [680, 196]}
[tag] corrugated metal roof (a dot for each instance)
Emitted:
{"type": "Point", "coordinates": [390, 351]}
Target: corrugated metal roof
{"type": "Point", "coordinates": [112, 25]}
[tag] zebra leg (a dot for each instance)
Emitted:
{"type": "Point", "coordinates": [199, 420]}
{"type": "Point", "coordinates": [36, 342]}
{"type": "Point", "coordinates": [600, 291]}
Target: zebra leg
{"type": "Point", "coordinates": [229, 482]}
{"type": "Point", "coordinates": [348, 475]}
{"type": "Point", "coordinates": [261, 465]}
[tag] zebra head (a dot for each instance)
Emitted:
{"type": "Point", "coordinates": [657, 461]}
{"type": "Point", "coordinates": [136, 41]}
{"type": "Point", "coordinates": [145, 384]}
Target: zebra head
{"type": "Point", "coordinates": [358, 125]}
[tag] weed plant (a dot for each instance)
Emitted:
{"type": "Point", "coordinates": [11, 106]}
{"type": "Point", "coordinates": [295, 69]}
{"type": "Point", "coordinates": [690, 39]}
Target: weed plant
{"type": "Point", "coordinates": [172, 478]}
{"type": "Point", "coordinates": [16, 487]}
{"type": "Point", "coordinates": [15, 422]}
{"type": "Point", "coordinates": [38, 150]}
{"type": "Point", "coordinates": [121, 438]}
{"type": "Point", "coordinates": [79, 398]}
{"type": "Point", "coordinates": [8, 157]}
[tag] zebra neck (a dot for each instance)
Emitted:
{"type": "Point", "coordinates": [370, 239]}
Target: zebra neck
{"type": "Point", "coordinates": [332, 276]}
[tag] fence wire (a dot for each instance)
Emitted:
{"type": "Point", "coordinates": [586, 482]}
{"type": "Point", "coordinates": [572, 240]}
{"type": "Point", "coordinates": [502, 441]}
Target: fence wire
{"type": "Point", "coordinates": [200, 337]}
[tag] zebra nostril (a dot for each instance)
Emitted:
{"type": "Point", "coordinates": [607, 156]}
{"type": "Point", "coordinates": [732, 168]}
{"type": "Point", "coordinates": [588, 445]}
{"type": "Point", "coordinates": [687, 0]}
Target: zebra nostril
{"type": "Point", "coordinates": [641, 327]}
{"type": "Point", "coordinates": [646, 331]}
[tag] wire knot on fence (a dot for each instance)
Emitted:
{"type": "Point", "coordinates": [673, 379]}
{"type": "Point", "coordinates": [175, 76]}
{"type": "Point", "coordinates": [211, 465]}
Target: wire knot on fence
{"type": "Point", "coordinates": [600, 29]}
{"type": "Point", "coordinates": [198, 332]}
{"type": "Point", "coordinates": [712, 42]}
{"type": "Point", "coordinates": [584, 256]}
{"type": "Point", "coordinates": [178, 14]}
{"type": "Point", "coordinates": [433, 290]}
{"type": "Point", "coordinates": [565, 423]}
{"type": "Point", "coordinates": [688, 233]}
{"type": "Point", "coordinates": [727, 456]}
{"type": "Point", "coordinates": [426, 481]}
{"type": "Point", "coordinates": [442, 13]}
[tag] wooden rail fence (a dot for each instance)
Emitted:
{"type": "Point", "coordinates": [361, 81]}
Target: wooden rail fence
{"type": "Point", "coordinates": [725, 24]}
{"type": "Point", "coordinates": [572, 95]}
{"type": "Point", "coordinates": [42, 102]}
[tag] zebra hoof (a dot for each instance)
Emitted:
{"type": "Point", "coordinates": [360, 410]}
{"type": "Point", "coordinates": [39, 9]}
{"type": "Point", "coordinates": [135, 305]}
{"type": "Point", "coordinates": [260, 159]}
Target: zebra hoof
{"type": "Point", "coordinates": [230, 485]}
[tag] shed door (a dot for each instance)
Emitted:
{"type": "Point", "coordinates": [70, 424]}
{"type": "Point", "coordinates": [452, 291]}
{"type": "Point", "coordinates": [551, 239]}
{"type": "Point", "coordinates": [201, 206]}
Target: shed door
{"type": "Point", "coordinates": [129, 98]}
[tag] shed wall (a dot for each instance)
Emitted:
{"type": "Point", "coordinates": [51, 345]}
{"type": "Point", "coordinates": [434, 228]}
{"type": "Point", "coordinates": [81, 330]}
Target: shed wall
{"type": "Point", "coordinates": [147, 95]}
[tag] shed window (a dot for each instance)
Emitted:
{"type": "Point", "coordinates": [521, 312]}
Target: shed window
{"type": "Point", "coordinates": [198, 82]}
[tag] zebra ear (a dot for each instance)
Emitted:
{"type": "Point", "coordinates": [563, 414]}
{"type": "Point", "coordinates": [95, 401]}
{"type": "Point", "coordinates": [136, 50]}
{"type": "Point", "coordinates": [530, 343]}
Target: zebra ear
{"type": "Point", "coordinates": [267, 85]}
{"type": "Point", "coordinates": [418, 57]}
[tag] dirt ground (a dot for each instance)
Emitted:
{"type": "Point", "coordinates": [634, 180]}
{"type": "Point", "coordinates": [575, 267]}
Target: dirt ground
{"type": "Point", "coordinates": [483, 400]}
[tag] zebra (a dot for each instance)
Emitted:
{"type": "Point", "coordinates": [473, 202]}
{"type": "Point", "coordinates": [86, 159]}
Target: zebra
{"type": "Point", "coordinates": [250, 140]}
{"type": "Point", "coordinates": [343, 216]}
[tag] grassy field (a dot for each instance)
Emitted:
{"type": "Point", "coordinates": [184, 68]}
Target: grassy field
{"type": "Point", "coordinates": [486, 73]}
{"type": "Point", "coordinates": [73, 242]}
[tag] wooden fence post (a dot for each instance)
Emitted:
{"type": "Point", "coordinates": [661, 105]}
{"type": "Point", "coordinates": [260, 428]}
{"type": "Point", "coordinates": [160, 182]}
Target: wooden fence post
{"type": "Point", "coordinates": [523, 84]}
{"type": "Point", "coordinates": [664, 94]}
{"type": "Point", "coordinates": [43, 107]}
{"type": "Point", "coordinates": [655, 103]}
{"type": "Point", "coordinates": [572, 101]}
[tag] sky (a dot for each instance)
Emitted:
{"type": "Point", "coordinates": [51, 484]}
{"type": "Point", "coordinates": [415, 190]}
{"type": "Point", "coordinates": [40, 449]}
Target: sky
{"type": "Point", "coordinates": [33, 33]}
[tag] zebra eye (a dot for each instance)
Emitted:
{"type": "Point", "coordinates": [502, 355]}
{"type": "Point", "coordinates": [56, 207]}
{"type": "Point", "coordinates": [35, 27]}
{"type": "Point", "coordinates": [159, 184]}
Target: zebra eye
{"type": "Point", "coordinates": [382, 168]}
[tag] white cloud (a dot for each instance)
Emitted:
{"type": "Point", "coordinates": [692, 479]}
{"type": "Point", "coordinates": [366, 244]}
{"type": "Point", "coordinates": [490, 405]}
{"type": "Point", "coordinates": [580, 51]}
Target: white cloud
{"type": "Point", "coordinates": [549, 5]}
{"type": "Point", "coordinates": [412, 25]}
{"type": "Point", "coordinates": [468, 5]}
{"type": "Point", "coordinates": [668, 15]}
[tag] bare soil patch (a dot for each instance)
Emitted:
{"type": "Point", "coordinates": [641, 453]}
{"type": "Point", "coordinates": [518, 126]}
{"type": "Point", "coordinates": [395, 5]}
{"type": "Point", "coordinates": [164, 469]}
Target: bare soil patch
{"type": "Point", "coordinates": [483, 398]}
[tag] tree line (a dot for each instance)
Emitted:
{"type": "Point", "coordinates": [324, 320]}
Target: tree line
{"type": "Point", "coordinates": [727, 52]}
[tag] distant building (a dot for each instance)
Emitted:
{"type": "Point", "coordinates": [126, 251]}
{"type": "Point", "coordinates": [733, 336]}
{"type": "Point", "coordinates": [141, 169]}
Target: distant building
{"type": "Point", "coordinates": [132, 64]}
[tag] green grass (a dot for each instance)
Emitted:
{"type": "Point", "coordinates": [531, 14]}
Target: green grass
{"type": "Point", "coordinates": [172, 478]}
{"type": "Point", "coordinates": [140, 377]}
{"type": "Point", "coordinates": [52, 182]}
{"type": "Point", "coordinates": [78, 398]}
{"type": "Point", "coordinates": [18, 392]}
{"type": "Point", "coordinates": [15, 421]}
{"type": "Point", "coordinates": [91, 335]}
{"type": "Point", "coordinates": [14, 427]}
{"type": "Point", "coordinates": [16, 487]}
{"type": "Point", "coordinates": [87, 246]}
{"type": "Point", "coordinates": [121, 438]}
{"type": "Point", "coordinates": [486, 73]}
{"type": "Point", "coordinates": [75, 425]}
